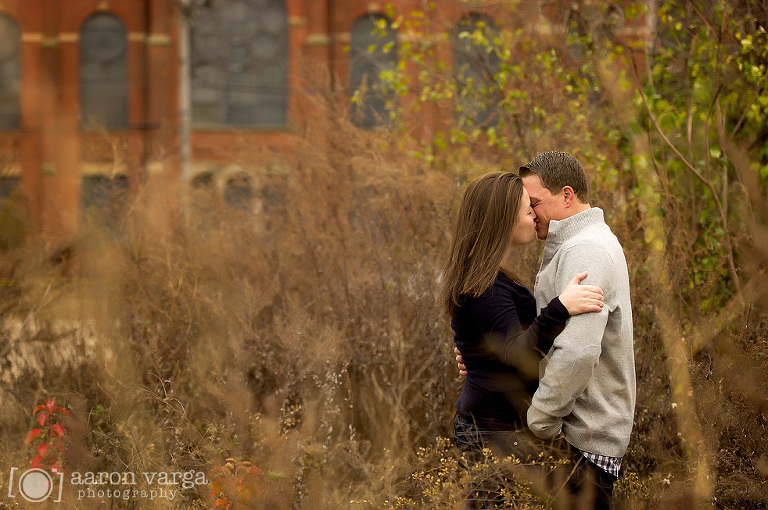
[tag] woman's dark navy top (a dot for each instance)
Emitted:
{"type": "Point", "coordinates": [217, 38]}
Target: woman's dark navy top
{"type": "Point", "coordinates": [501, 342]}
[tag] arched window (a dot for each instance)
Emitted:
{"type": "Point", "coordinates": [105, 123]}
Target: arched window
{"type": "Point", "coordinates": [203, 182]}
{"type": "Point", "coordinates": [475, 68]}
{"type": "Point", "coordinates": [204, 201]}
{"type": "Point", "coordinates": [239, 63]}
{"type": "Point", "coordinates": [8, 185]}
{"type": "Point", "coordinates": [373, 49]}
{"type": "Point", "coordinates": [104, 72]}
{"type": "Point", "coordinates": [238, 192]}
{"type": "Point", "coordinates": [104, 200]}
{"type": "Point", "coordinates": [10, 73]}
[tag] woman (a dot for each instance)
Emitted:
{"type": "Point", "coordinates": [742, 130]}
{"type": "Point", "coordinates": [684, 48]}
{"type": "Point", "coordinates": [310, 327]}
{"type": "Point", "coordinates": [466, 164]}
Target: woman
{"type": "Point", "coordinates": [496, 329]}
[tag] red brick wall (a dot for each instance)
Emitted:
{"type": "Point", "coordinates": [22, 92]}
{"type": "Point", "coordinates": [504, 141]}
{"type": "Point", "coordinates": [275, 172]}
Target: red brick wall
{"type": "Point", "coordinates": [54, 153]}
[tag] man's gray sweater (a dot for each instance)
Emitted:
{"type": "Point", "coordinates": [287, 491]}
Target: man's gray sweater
{"type": "Point", "coordinates": [587, 380]}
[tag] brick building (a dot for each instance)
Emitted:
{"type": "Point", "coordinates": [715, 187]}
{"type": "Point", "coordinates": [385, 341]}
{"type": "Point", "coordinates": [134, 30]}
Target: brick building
{"type": "Point", "coordinates": [90, 90]}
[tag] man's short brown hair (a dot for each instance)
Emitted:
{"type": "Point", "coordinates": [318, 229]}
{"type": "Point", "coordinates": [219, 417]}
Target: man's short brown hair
{"type": "Point", "coordinates": [556, 170]}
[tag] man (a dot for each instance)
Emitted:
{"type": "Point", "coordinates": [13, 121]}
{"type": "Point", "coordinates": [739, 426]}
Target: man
{"type": "Point", "coordinates": [586, 392]}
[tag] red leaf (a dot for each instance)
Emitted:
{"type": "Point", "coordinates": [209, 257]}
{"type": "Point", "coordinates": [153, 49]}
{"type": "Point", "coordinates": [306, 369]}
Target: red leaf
{"type": "Point", "coordinates": [32, 434]}
{"type": "Point", "coordinates": [58, 429]}
{"type": "Point", "coordinates": [244, 496]}
{"type": "Point", "coordinates": [221, 503]}
{"type": "Point", "coordinates": [42, 417]}
{"type": "Point", "coordinates": [38, 408]}
{"type": "Point", "coordinates": [42, 449]}
{"type": "Point", "coordinates": [36, 462]}
{"type": "Point", "coordinates": [50, 404]}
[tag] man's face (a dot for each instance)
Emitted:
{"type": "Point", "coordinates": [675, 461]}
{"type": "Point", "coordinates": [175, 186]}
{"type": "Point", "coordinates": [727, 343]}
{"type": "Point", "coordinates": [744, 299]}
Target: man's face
{"type": "Point", "coordinates": [546, 205]}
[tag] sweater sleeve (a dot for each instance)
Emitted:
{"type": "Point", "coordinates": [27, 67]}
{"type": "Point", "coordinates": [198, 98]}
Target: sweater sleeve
{"type": "Point", "coordinates": [576, 352]}
{"type": "Point", "coordinates": [517, 347]}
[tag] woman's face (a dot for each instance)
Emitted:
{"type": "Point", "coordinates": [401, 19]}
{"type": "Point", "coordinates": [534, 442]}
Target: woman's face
{"type": "Point", "coordinates": [525, 230]}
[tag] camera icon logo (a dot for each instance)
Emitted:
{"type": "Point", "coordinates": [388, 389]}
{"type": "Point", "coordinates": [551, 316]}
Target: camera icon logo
{"type": "Point", "coordinates": [35, 485]}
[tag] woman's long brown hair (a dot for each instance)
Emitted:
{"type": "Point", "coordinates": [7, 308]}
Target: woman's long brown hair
{"type": "Point", "coordinates": [482, 236]}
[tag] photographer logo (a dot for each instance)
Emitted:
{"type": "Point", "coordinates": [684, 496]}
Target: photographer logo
{"type": "Point", "coordinates": [35, 485]}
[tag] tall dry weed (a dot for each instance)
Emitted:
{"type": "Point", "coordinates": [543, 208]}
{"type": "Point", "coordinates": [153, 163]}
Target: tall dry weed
{"type": "Point", "coordinates": [299, 333]}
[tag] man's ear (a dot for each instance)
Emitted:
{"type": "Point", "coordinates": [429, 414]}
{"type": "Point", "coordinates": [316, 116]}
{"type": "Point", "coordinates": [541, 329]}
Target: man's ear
{"type": "Point", "coordinates": [568, 196]}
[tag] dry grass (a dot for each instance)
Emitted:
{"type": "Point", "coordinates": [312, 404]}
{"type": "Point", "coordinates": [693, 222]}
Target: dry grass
{"type": "Point", "coordinates": [302, 335]}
